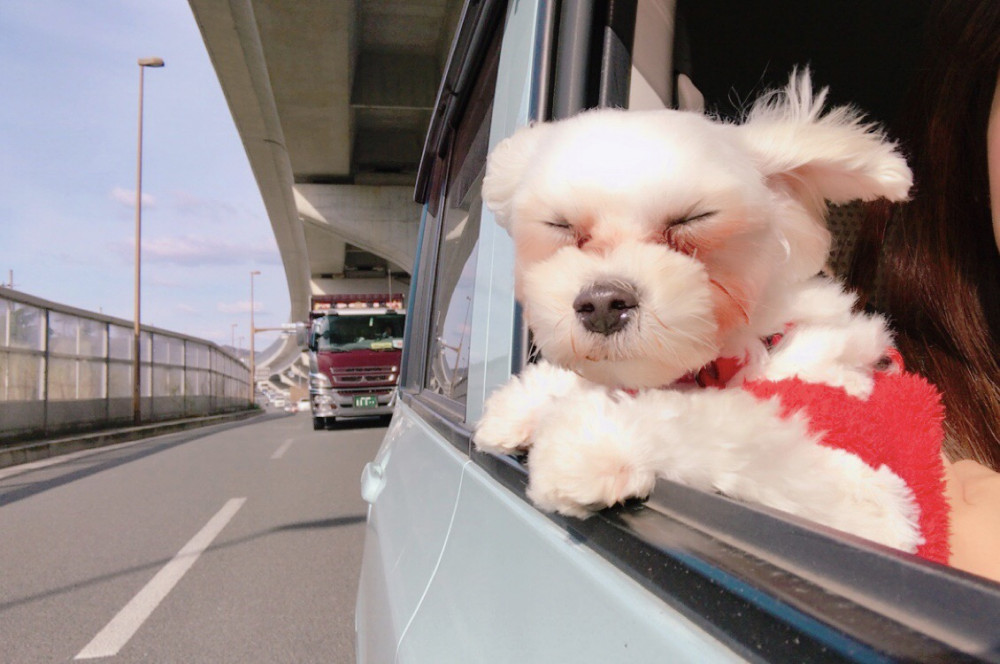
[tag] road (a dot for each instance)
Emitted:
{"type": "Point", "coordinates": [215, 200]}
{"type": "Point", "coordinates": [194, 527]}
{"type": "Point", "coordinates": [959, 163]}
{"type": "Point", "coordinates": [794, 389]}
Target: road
{"type": "Point", "coordinates": [235, 543]}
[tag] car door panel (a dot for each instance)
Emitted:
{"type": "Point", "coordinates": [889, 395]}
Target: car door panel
{"type": "Point", "coordinates": [514, 586]}
{"type": "Point", "coordinates": [408, 524]}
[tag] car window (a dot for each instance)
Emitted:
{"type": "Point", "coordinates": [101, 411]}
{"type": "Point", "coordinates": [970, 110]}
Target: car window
{"type": "Point", "coordinates": [457, 240]}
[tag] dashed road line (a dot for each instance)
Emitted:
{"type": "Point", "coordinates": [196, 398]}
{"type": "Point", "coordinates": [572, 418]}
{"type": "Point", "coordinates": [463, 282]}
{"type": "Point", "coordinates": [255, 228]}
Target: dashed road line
{"type": "Point", "coordinates": [280, 452]}
{"type": "Point", "coordinates": [127, 622]}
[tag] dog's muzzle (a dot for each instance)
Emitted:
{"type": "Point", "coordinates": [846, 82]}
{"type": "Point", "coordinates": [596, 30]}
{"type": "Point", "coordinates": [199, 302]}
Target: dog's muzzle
{"type": "Point", "coordinates": [606, 308]}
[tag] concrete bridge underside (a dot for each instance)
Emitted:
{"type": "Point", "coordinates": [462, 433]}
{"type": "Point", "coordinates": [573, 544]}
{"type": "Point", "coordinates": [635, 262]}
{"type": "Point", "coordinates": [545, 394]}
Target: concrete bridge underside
{"type": "Point", "coordinates": [331, 99]}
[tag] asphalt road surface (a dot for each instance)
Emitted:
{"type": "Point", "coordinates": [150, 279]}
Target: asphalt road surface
{"type": "Point", "coordinates": [235, 543]}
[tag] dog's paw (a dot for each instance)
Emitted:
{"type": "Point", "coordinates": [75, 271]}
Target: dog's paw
{"type": "Point", "coordinates": [503, 432]}
{"type": "Point", "coordinates": [509, 418]}
{"type": "Point", "coordinates": [513, 411]}
{"type": "Point", "coordinates": [580, 465]}
{"type": "Point", "coordinates": [878, 505]}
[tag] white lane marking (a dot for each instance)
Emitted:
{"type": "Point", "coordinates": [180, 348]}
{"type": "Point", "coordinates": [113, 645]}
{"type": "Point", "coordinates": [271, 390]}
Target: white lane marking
{"type": "Point", "coordinates": [280, 452]}
{"type": "Point", "coordinates": [127, 622]}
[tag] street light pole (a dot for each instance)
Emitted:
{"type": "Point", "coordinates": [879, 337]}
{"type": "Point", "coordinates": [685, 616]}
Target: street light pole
{"type": "Point", "coordinates": [253, 333]}
{"type": "Point", "coordinates": [136, 359]}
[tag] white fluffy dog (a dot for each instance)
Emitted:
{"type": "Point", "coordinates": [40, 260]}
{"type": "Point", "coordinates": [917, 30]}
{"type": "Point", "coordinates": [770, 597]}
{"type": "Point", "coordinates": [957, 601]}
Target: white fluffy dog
{"type": "Point", "coordinates": [648, 246]}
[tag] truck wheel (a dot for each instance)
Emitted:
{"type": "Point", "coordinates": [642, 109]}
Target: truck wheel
{"type": "Point", "coordinates": [319, 423]}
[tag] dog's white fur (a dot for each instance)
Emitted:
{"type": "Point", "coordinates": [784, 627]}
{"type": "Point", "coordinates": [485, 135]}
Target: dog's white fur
{"type": "Point", "coordinates": [719, 230]}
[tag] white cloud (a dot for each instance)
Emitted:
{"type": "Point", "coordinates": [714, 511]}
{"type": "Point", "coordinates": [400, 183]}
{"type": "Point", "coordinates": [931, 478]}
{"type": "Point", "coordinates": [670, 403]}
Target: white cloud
{"type": "Point", "coordinates": [200, 251]}
{"type": "Point", "coordinates": [127, 197]}
{"type": "Point", "coordinates": [201, 209]}
{"type": "Point", "coordinates": [161, 281]}
{"type": "Point", "coordinates": [241, 307]}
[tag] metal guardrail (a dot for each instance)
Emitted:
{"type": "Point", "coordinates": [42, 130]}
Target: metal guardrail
{"type": "Point", "coordinates": [65, 369]}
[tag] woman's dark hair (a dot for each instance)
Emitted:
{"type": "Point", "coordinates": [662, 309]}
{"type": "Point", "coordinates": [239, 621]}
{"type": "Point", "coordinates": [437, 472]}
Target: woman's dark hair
{"type": "Point", "coordinates": [935, 258]}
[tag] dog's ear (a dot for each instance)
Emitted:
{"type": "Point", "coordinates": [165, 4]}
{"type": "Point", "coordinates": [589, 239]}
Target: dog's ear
{"type": "Point", "coordinates": [811, 157]}
{"type": "Point", "coordinates": [835, 155]}
{"type": "Point", "coordinates": [505, 168]}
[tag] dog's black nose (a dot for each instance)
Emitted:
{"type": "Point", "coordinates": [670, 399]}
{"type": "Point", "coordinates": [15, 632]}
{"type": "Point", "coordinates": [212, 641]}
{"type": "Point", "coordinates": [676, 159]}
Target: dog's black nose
{"type": "Point", "coordinates": [606, 308]}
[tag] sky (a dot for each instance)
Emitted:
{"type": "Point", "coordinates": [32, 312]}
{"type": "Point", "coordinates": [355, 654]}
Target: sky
{"type": "Point", "coordinates": [69, 88]}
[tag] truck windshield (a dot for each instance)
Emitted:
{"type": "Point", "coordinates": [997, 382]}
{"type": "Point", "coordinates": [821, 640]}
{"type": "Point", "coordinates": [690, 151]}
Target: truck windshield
{"type": "Point", "coordinates": [359, 332]}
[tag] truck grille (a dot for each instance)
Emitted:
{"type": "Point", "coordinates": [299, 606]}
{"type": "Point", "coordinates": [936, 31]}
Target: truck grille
{"type": "Point", "coordinates": [356, 376]}
{"type": "Point", "coordinates": [378, 391]}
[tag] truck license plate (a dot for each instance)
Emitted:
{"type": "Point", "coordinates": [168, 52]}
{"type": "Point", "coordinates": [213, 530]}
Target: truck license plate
{"type": "Point", "coordinates": [367, 401]}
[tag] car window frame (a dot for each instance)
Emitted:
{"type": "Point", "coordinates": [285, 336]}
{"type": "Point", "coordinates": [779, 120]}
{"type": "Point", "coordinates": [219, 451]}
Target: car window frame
{"type": "Point", "coordinates": [472, 50]}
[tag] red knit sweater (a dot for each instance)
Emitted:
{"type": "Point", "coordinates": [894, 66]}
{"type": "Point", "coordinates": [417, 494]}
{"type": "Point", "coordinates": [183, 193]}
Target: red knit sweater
{"type": "Point", "coordinates": [899, 425]}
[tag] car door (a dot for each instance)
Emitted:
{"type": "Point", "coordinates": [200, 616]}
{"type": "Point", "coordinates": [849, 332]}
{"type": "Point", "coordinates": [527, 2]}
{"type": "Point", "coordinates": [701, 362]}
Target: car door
{"type": "Point", "coordinates": [459, 566]}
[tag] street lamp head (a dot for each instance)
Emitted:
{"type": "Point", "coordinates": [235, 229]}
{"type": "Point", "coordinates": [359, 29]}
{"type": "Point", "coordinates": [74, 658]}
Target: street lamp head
{"type": "Point", "coordinates": [150, 62]}
{"type": "Point", "coordinates": [255, 272]}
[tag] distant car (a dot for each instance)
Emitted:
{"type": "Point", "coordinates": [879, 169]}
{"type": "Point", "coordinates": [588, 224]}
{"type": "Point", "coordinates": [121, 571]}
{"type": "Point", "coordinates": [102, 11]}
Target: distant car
{"type": "Point", "coordinates": [278, 403]}
{"type": "Point", "coordinates": [304, 404]}
{"type": "Point", "coordinates": [291, 408]}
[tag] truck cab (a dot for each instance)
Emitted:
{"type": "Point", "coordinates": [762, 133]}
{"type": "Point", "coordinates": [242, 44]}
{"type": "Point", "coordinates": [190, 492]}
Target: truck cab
{"type": "Point", "coordinates": [355, 348]}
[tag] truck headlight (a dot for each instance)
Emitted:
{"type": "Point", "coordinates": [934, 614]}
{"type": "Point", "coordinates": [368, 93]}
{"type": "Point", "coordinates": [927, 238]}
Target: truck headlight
{"type": "Point", "coordinates": [319, 381]}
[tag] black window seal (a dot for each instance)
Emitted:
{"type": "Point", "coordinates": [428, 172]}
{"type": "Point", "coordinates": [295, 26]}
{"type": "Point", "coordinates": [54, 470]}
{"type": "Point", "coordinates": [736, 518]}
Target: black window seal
{"type": "Point", "coordinates": [479, 21]}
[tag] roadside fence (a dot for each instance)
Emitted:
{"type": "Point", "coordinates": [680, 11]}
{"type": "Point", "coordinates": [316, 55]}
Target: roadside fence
{"type": "Point", "coordinates": [63, 369]}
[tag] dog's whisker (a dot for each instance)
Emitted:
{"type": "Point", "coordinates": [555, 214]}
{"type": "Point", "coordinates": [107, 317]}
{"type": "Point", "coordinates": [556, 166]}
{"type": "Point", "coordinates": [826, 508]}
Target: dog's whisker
{"type": "Point", "coordinates": [664, 335]}
{"type": "Point", "coordinates": [699, 338]}
{"type": "Point", "coordinates": [559, 323]}
{"type": "Point", "coordinates": [663, 325]}
{"type": "Point", "coordinates": [661, 334]}
{"type": "Point", "coordinates": [677, 332]}
{"type": "Point", "coordinates": [661, 337]}
{"type": "Point", "coordinates": [739, 305]}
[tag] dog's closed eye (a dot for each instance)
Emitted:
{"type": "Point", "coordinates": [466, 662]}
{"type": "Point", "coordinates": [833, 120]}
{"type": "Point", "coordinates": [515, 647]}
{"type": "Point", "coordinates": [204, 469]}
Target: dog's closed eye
{"type": "Point", "coordinates": [692, 217]}
{"type": "Point", "coordinates": [568, 232]}
{"type": "Point", "coordinates": [676, 231]}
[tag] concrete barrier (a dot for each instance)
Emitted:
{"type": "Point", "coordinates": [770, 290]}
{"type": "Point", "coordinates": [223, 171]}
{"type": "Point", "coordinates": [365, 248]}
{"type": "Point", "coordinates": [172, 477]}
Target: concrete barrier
{"type": "Point", "coordinates": [16, 454]}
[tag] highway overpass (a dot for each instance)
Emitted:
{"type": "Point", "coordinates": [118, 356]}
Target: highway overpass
{"type": "Point", "coordinates": [331, 99]}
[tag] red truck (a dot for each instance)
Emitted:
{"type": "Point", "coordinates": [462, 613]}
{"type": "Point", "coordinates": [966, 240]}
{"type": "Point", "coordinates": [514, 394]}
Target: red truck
{"type": "Point", "coordinates": [355, 344]}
